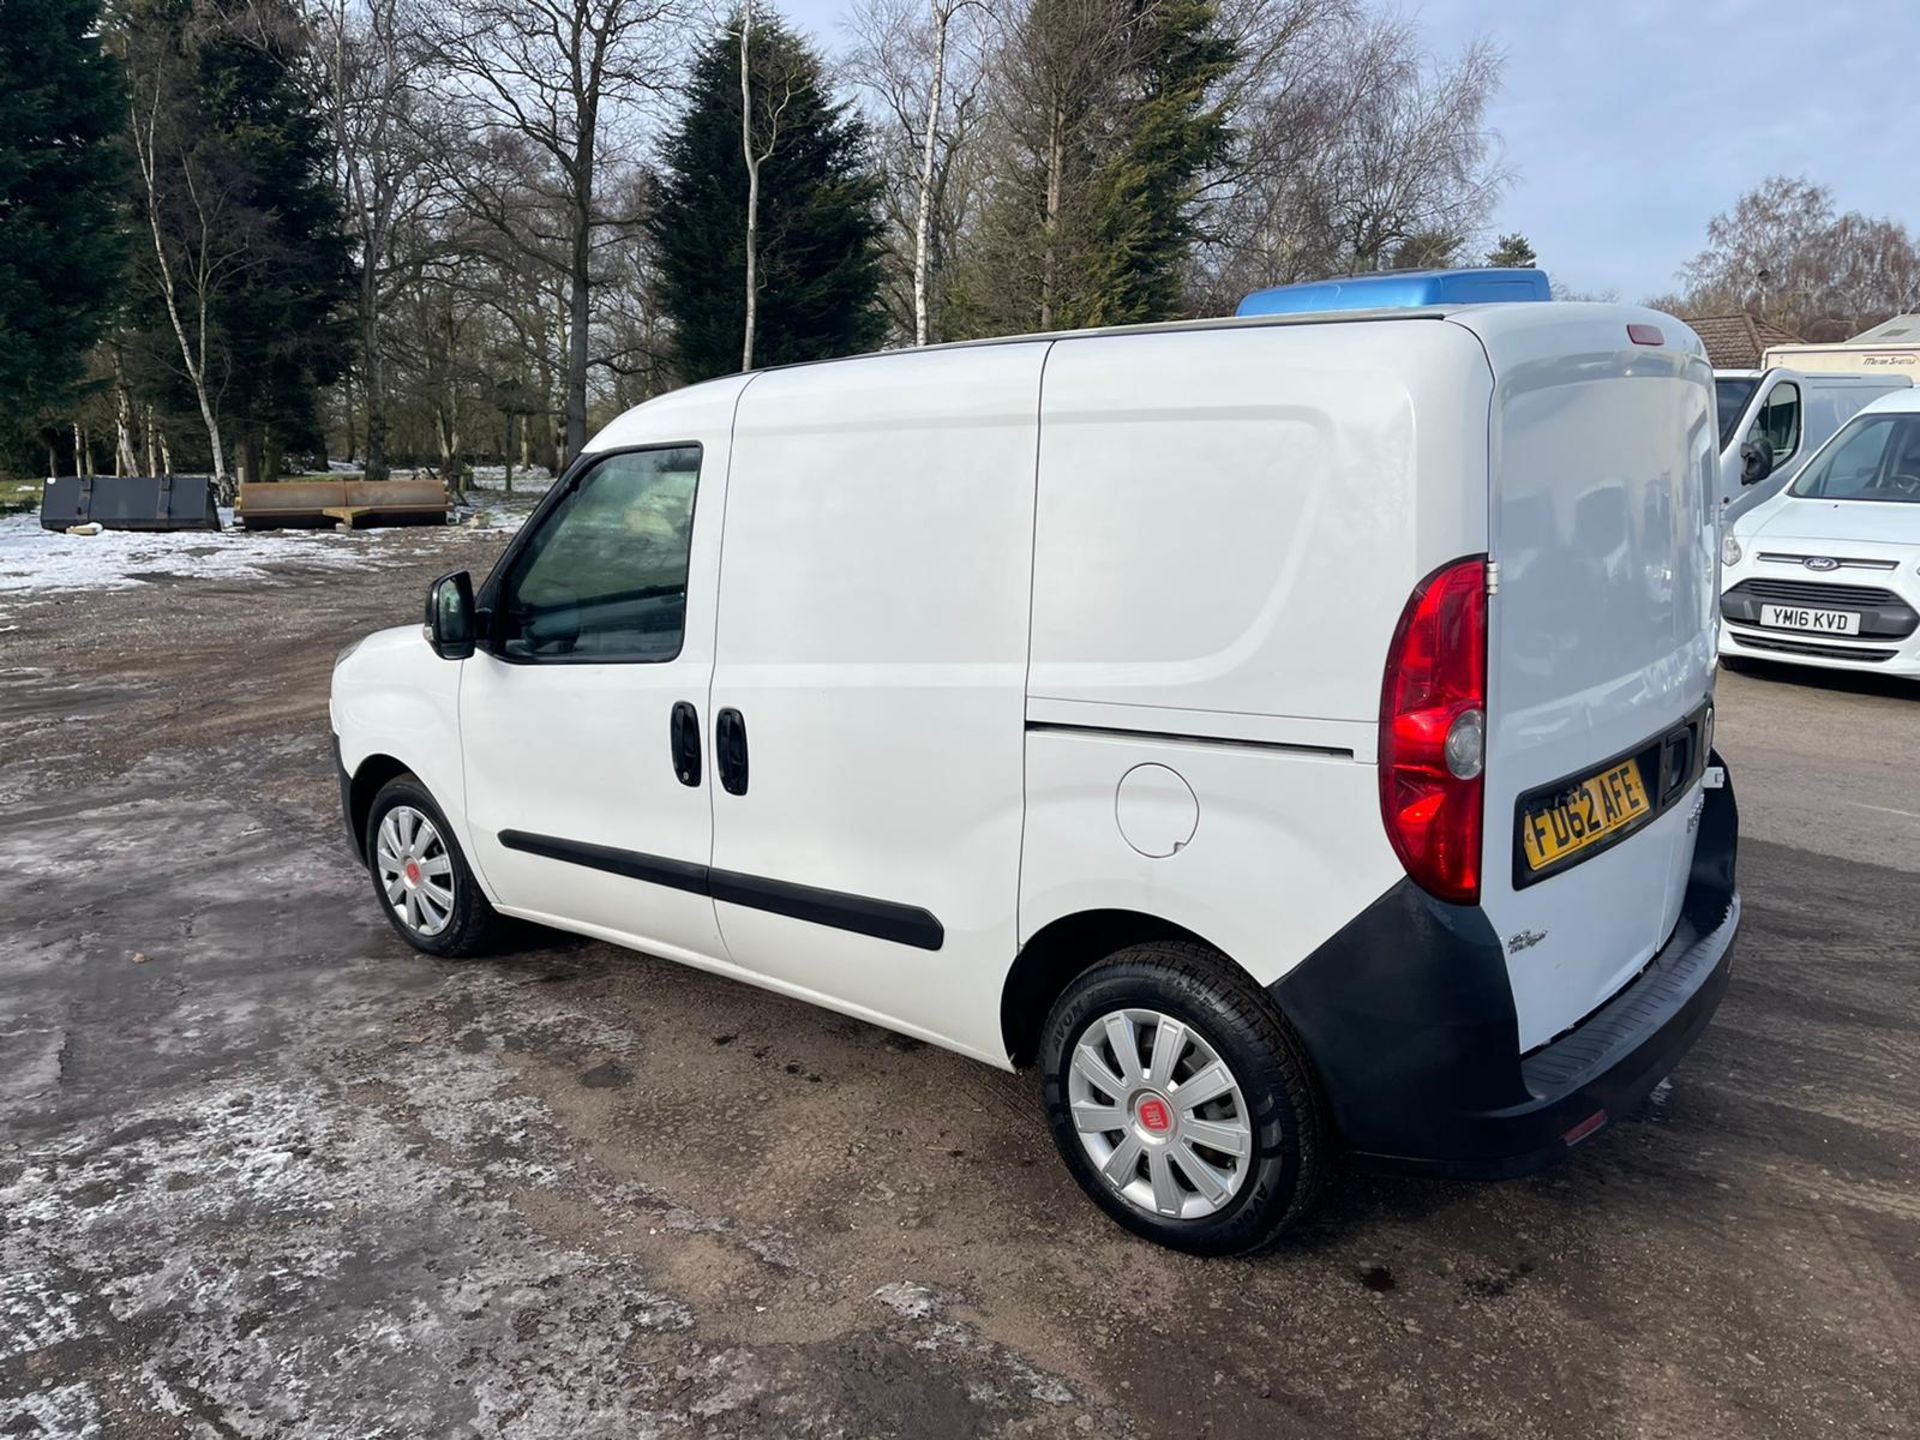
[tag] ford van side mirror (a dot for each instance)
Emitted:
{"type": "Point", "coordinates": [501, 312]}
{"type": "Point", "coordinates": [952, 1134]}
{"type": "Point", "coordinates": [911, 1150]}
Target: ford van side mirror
{"type": "Point", "coordinates": [449, 622]}
{"type": "Point", "coordinates": [1756, 461]}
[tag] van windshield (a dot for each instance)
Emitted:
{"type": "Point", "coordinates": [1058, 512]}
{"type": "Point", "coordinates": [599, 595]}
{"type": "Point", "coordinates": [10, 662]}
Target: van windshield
{"type": "Point", "coordinates": [1874, 457]}
{"type": "Point", "coordinates": [1731, 395]}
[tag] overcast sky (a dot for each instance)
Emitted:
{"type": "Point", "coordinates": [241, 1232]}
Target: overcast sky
{"type": "Point", "coordinates": [1629, 123]}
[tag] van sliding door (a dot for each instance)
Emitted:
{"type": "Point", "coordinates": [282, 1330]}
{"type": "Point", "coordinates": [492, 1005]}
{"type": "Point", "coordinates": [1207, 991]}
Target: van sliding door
{"type": "Point", "coordinates": [869, 683]}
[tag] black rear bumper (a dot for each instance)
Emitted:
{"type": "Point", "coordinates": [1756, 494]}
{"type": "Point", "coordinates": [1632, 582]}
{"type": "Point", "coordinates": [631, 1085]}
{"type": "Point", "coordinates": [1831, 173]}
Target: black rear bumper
{"type": "Point", "coordinates": [1409, 1017]}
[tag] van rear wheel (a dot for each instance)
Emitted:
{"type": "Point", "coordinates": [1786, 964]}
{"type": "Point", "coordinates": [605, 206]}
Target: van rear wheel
{"type": "Point", "coordinates": [1182, 1101]}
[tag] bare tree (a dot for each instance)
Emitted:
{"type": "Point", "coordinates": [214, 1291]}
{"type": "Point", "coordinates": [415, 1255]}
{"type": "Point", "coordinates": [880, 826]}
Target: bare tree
{"type": "Point", "coordinates": [365, 75]}
{"type": "Point", "coordinates": [921, 68]}
{"type": "Point", "coordinates": [564, 79]}
{"type": "Point", "coordinates": [1783, 255]}
{"type": "Point", "coordinates": [199, 240]}
{"type": "Point", "coordinates": [751, 154]}
{"type": "Point", "coordinates": [941, 14]}
{"type": "Point", "coordinates": [1356, 151]}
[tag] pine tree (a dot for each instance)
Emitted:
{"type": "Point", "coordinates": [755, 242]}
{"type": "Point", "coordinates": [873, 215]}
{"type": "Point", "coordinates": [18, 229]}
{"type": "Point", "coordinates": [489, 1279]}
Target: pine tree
{"type": "Point", "coordinates": [818, 231]}
{"type": "Point", "coordinates": [1142, 223]}
{"type": "Point", "coordinates": [1514, 250]}
{"type": "Point", "coordinates": [62, 236]}
{"type": "Point", "coordinates": [285, 326]}
{"type": "Point", "coordinates": [1110, 119]}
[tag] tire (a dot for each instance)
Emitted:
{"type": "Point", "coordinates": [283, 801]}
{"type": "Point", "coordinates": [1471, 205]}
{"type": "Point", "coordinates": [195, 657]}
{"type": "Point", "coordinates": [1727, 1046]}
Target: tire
{"type": "Point", "coordinates": [1274, 1106]}
{"type": "Point", "coordinates": [454, 922]}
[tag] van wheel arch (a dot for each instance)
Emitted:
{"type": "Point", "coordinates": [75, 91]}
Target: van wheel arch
{"type": "Point", "coordinates": [1059, 952]}
{"type": "Point", "coordinates": [374, 772]}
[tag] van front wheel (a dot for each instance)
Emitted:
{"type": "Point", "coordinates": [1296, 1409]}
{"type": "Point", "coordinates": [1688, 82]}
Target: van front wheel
{"type": "Point", "coordinates": [423, 882]}
{"type": "Point", "coordinates": [1182, 1101]}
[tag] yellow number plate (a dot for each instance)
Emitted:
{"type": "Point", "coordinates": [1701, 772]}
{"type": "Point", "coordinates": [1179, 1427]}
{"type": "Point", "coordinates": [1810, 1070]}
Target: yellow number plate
{"type": "Point", "coordinates": [1584, 814]}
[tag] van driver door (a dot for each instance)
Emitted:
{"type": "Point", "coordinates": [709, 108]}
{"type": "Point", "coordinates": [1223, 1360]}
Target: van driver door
{"type": "Point", "coordinates": [584, 721]}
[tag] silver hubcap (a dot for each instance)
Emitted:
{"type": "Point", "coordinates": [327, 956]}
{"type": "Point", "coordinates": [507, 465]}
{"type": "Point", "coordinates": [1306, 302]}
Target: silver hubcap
{"type": "Point", "coordinates": [1159, 1114]}
{"type": "Point", "coordinates": [415, 870]}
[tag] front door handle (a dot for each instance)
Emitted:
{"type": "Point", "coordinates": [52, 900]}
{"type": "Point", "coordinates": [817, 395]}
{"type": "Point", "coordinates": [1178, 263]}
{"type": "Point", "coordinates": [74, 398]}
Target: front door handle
{"type": "Point", "coordinates": [683, 729]}
{"type": "Point", "coordinates": [730, 750]}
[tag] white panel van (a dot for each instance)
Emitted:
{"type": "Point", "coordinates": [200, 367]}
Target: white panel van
{"type": "Point", "coordinates": [1773, 420]}
{"type": "Point", "coordinates": [1291, 736]}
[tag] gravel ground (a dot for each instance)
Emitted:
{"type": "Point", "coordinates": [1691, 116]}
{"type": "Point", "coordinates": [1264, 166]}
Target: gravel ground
{"type": "Point", "coordinates": [264, 1171]}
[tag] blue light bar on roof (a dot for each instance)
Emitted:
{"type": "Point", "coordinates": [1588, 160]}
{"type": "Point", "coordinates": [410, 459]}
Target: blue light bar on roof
{"type": "Point", "coordinates": [1401, 290]}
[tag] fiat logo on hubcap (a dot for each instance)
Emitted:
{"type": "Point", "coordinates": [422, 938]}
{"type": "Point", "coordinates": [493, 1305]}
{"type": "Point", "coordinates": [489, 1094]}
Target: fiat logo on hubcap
{"type": "Point", "coordinates": [412, 872]}
{"type": "Point", "coordinates": [1154, 1115]}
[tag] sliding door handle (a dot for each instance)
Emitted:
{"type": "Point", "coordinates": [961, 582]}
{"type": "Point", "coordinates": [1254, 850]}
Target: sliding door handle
{"type": "Point", "coordinates": [730, 750]}
{"type": "Point", "coordinates": [683, 730]}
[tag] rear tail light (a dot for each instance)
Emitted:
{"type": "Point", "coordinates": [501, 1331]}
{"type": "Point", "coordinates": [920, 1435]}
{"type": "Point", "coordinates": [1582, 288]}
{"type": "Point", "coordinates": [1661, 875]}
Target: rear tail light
{"type": "Point", "coordinates": [1433, 721]}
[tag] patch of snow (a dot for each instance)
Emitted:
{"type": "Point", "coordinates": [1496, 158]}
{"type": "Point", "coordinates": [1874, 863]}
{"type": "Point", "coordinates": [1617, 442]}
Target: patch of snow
{"type": "Point", "coordinates": [532, 481]}
{"type": "Point", "coordinates": [71, 1412]}
{"type": "Point", "coordinates": [33, 559]}
{"type": "Point", "coordinates": [910, 1301]}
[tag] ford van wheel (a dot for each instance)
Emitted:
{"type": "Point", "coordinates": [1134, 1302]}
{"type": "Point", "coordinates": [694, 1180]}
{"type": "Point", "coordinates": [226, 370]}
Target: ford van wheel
{"type": "Point", "coordinates": [1182, 1101]}
{"type": "Point", "coordinates": [424, 884]}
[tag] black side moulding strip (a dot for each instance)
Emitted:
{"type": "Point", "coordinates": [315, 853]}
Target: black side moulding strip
{"type": "Point", "coordinates": [882, 919]}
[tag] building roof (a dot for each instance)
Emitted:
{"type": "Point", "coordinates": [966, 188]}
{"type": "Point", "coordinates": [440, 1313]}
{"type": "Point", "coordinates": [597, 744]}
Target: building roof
{"type": "Point", "coordinates": [1737, 341]}
{"type": "Point", "coordinates": [1900, 330]}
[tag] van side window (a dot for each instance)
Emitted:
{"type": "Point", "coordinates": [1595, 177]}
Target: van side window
{"type": "Point", "coordinates": [1779, 420]}
{"type": "Point", "coordinates": [604, 578]}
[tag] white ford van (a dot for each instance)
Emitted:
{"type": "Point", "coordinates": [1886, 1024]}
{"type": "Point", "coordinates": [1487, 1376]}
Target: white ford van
{"type": "Point", "coordinates": [1290, 735]}
{"type": "Point", "coordinates": [1827, 573]}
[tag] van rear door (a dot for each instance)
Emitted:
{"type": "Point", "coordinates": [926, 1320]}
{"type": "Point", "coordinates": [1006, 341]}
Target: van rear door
{"type": "Point", "coordinates": [1603, 537]}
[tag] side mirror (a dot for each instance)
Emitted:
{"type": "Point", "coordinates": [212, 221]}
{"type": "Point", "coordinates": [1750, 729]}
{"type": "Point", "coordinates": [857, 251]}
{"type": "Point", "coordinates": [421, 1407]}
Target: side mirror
{"type": "Point", "coordinates": [449, 623]}
{"type": "Point", "coordinates": [1756, 461]}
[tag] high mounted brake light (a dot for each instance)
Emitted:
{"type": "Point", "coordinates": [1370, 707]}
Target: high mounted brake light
{"type": "Point", "coordinates": [1433, 717]}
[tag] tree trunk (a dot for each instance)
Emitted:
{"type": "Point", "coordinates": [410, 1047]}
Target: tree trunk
{"type": "Point", "coordinates": [373, 377]}
{"type": "Point", "coordinates": [1056, 148]}
{"type": "Point", "coordinates": [249, 456]}
{"type": "Point", "coordinates": [753, 187]}
{"type": "Point", "coordinates": [579, 297]}
{"type": "Point", "coordinates": [125, 460]}
{"type": "Point", "coordinates": [447, 431]}
{"type": "Point", "coordinates": [196, 367]}
{"type": "Point", "coordinates": [942, 17]}
{"type": "Point", "coordinates": [506, 450]}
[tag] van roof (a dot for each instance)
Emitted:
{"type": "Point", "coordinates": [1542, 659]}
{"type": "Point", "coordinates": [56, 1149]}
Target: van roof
{"type": "Point", "coordinates": [1819, 376]}
{"type": "Point", "coordinates": [1499, 316]}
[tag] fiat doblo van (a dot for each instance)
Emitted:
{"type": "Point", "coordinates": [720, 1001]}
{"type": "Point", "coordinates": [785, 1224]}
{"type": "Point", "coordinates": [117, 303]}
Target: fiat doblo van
{"type": "Point", "coordinates": [1290, 735]}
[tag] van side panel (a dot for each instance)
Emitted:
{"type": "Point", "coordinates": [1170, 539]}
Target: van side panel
{"type": "Point", "coordinates": [1228, 527]}
{"type": "Point", "coordinates": [1231, 521]}
{"type": "Point", "coordinates": [874, 592]}
{"type": "Point", "coordinates": [1284, 847]}
{"type": "Point", "coordinates": [1601, 633]}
